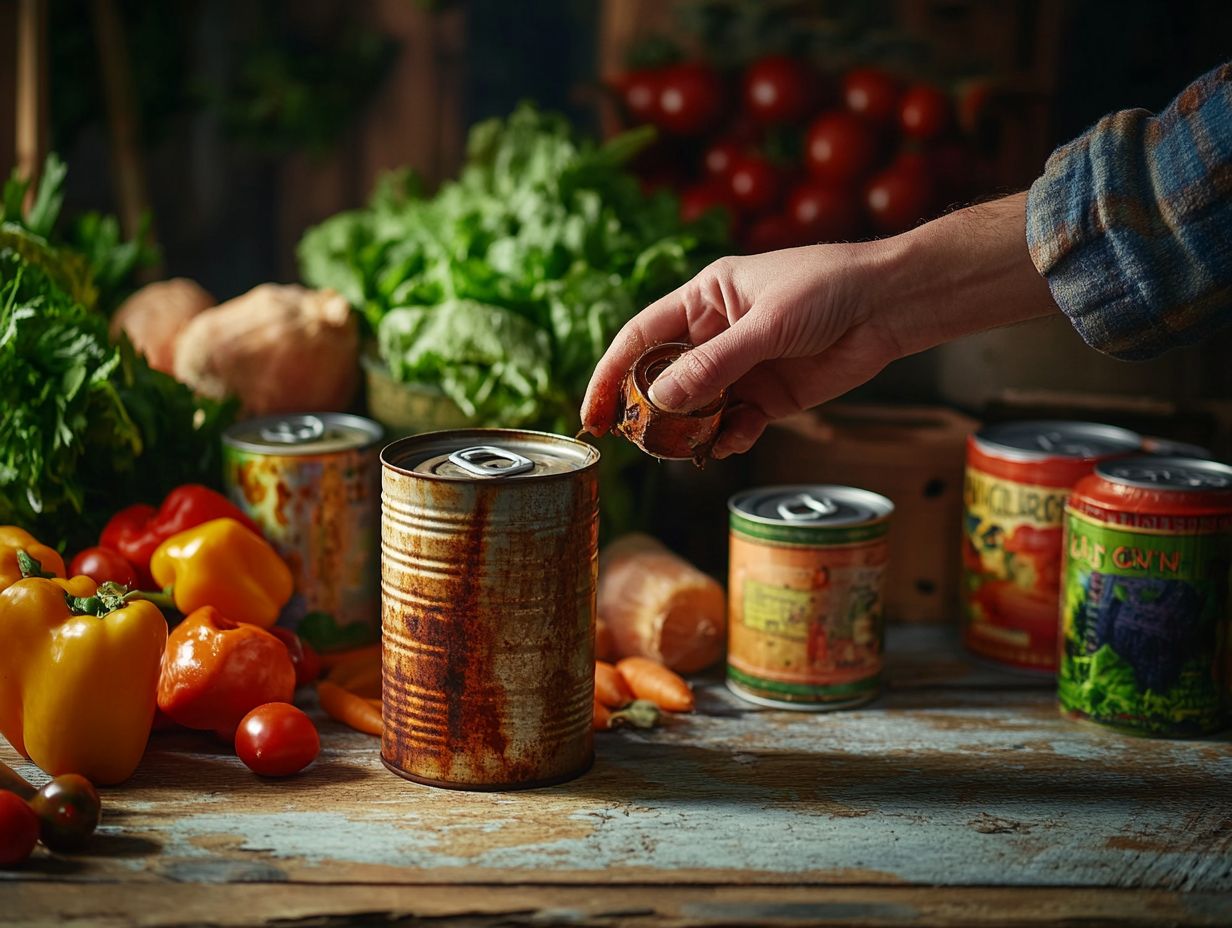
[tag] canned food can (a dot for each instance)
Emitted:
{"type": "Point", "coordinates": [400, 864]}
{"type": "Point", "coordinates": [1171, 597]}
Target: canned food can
{"type": "Point", "coordinates": [311, 482]}
{"type": "Point", "coordinates": [805, 624]}
{"type": "Point", "coordinates": [1145, 607]}
{"type": "Point", "coordinates": [670, 436]}
{"type": "Point", "coordinates": [488, 576]}
{"type": "Point", "coordinates": [1018, 476]}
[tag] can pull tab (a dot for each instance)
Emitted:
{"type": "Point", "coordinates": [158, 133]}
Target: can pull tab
{"type": "Point", "coordinates": [1059, 443]}
{"type": "Point", "coordinates": [294, 430]}
{"type": "Point", "coordinates": [491, 461]}
{"type": "Point", "coordinates": [804, 507]}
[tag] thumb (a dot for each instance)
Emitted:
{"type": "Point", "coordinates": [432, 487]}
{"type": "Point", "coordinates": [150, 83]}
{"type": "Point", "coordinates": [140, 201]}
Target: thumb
{"type": "Point", "coordinates": [698, 376]}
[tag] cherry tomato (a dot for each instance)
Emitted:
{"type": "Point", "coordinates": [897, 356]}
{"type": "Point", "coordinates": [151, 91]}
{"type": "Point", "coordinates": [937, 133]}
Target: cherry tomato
{"type": "Point", "coordinates": [753, 183]}
{"type": "Point", "coordinates": [277, 740]}
{"type": "Point", "coordinates": [690, 97]}
{"type": "Point", "coordinates": [871, 94]}
{"type": "Point", "coordinates": [639, 92]}
{"type": "Point", "coordinates": [824, 212]}
{"type": "Point", "coordinates": [19, 829]}
{"type": "Point", "coordinates": [924, 112]}
{"type": "Point", "coordinates": [103, 564]}
{"type": "Point", "coordinates": [699, 199]}
{"type": "Point", "coordinates": [777, 89]}
{"type": "Point", "coordinates": [720, 157]}
{"type": "Point", "coordinates": [898, 198]}
{"type": "Point", "coordinates": [304, 657]}
{"type": "Point", "coordinates": [769, 233]}
{"type": "Point", "coordinates": [68, 811]}
{"type": "Point", "coordinates": [840, 147]}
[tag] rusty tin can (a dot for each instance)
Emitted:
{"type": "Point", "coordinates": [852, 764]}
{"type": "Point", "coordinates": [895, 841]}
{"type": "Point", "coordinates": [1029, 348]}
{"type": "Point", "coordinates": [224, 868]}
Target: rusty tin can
{"type": "Point", "coordinates": [488, 577]}
{"type": "Point", "coordinates": [1018, 476]}
{"type": "Point", "coordinates": [670, 436]}
{"type": "Point", "coordinates": [311, 482]}
{"type": "Point", "coordinates": [805, 594]}
{"type": "Point", "coordinates": [1145, 607]}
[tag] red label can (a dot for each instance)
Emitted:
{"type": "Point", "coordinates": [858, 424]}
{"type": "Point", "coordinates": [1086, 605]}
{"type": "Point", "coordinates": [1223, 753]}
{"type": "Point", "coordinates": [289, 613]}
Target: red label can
{"type": "Point", "coordinates": [1018, 477]}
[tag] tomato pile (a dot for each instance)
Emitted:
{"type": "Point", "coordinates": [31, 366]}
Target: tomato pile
{"type": "Point", "coordinates": [796, 157]}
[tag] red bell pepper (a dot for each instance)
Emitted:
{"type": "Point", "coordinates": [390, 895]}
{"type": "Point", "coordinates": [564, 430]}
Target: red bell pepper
{"type": "Point", "coordinates": [136, 531]}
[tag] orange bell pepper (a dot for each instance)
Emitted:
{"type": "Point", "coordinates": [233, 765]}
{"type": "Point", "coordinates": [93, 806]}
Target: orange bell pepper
{"type": "Point", "coordinates": [217, 671]}
{"type": "Point", "coordinates": [223, 564]}
{"type": "Point", "coordinates": [14, 539]}
{"type": "Point", "coordinates": [78, 668]}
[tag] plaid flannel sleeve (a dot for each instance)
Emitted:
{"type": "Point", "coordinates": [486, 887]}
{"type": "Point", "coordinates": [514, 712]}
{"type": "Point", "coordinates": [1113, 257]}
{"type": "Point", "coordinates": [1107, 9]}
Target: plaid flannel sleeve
{"type": "Point", "coordinates": [1131, 223]}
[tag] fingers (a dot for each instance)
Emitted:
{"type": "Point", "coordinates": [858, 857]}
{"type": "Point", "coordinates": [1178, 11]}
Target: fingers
{"type": "Point", "coordinates": [742, 426]}
{"type": "Point", "coordinates": [698, 377]}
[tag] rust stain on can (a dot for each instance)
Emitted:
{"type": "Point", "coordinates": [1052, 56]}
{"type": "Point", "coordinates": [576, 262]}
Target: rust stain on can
{"type": "Point", "coordinates": [667, 435]}
{"type": "Point", "coordinates": [488, 606]}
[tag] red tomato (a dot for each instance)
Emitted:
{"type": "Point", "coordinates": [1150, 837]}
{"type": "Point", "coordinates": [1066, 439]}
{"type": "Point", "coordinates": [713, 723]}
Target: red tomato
{"type": "Point", "coordinates": [103, 564]}
{"type": "Point", "coordinates": [639, 92]}
{"type": "Point", "coordinates": [823, 212]}
{"type": "Point", "coordinates": [898, 198]}
{"type": "Point", "coordinates": [753, 184]}
{"type": "Point", "coordinates": [777, 89]}
{"type": "Point", "coordinates": [304, 657]}
{"type": "Point", "coordinates": [975, 98]}
{"type": "Point", "coordinates": [871, 94]}
{"type": "Point", "coordinates": [769, 233]}
{"type": "Point", "coordinates": [840, 147]}
{"type": "Point", "coordinates": [720, 157]}
{"type": "Point", "coordinates": [277, 740]}
{"type": "Point", "coordinates": [924, 112]}
{"type": "Point", "coordinates": [19, 829]}
{"type": "Point", "coordinates": [690, 97]}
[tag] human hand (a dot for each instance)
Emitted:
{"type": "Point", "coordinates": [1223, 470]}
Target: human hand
{"type": "Point", "coordinates": [781, 331]}
{"type": "Point", "coordinates": [786, 330]}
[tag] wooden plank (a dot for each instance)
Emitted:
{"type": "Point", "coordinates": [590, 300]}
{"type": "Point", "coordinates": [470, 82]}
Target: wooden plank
{"type": "Point", "coordinates": [967, 783]}
{"type": "Point", "coordinates": [178, 904]}
{"type": "Point", "coordinates": [33, 111]}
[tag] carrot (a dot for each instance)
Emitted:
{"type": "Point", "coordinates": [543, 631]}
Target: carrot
{"type": "Point", "coordinates": [360, 674]}
{"type": "Point", "coordinates": [331, 659]}
{"type": "Point", "coordinates": [610, 687]}
{"type": "Point", "coordinates": [603, 716]}
{"type": "Point", "coordinates": [349, 709]}
{"type": "Point", "coordinates": [652, 681]}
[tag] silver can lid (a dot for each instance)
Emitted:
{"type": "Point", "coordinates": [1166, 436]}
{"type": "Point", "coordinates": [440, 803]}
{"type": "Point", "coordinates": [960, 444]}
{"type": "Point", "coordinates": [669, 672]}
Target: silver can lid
{"type": "Point", "coordinates": [1168, 473]}
{"type": "Point", "coordinates": [488, 454]}
{"type": "Point", "coordinates": [303, 433]}
{"type": "Point", "coordinates": [1039, 440]}
{"type": "Point", "coordinates": [811, 505]}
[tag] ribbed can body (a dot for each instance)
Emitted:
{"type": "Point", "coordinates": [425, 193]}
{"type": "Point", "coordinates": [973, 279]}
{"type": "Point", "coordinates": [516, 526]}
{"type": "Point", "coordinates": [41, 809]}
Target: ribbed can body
{"type": "Point", "coordinates": [488, 612]}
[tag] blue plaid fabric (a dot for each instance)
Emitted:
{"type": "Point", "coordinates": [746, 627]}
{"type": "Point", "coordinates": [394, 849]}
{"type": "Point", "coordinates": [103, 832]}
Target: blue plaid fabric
{"type": "Point", "coordinates": [1131, 223]}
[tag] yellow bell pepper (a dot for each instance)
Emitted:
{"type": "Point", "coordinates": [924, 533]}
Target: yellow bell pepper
{"type": "Point", "coordinates": [77, 688]}
{"type": "Point", "coordinates": [226, 565]}
{"type": "Point", "coordinates": [14, 539]}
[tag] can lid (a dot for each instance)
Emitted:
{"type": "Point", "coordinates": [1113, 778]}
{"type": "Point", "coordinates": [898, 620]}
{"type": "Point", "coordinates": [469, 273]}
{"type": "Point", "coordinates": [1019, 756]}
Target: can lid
{"type": "Point", "coordinates": [1168, 473]}
{"type": "Point", "coordinates": [811, 506]}
{"type": "Point", "coordinates": [1039, 440]}
{"type": "Point", "coordinates": [303, 433]}
{"type": "Point", "coordinates": [488, 454]}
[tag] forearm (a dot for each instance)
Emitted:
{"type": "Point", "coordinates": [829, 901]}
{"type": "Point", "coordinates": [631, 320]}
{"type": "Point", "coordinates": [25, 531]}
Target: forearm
{"type": "Point", "coordinates": [964, 273]}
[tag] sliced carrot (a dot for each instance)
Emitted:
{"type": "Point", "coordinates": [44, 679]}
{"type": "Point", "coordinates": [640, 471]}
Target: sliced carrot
{"type": "Point", "coordinates": [651, 680]}
{"type": "Point", "coordinates": [331, 659]}
{"type": "Point", "coordinates": [610, 687]}
{"type": "Point", "coordinates": [603, 717]}
{"type": "Point", "coordinates": [349, 709]}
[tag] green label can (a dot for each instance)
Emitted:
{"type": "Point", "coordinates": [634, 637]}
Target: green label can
{"type": "Point", "coordinates": [312, 483]}
{"type": "Point", "coordinates": [1145, 597]}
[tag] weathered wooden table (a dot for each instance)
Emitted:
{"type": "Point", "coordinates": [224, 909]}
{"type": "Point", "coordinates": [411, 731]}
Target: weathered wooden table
{"type": "Point", "coordinates": [959, 798]}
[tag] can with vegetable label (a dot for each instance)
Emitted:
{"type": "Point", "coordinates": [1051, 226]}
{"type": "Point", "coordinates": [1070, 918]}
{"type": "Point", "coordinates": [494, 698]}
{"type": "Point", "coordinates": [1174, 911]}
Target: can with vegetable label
{"type": "Point", "coordinates": [1018, 476]}
{"type": "Point", "coordinates": [311, 482]}
{"type": "Point", "coordinates": [1145, 608]}
{"type": "Point", "coordinates": [805, 626]}
{"type": "Point", "coordinates": [488, 575]}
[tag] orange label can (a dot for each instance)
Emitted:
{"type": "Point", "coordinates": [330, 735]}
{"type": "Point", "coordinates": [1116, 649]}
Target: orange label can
{"type": "Point", "coordinates": [805, 624]}
{"type": "Point", "coordinates": [1017, 480]}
